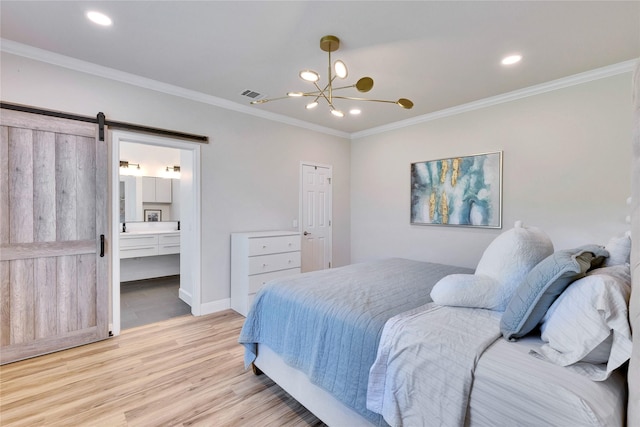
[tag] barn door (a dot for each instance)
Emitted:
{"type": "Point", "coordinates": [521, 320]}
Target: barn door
{"type": "Point", "coordinates": [53, 216]}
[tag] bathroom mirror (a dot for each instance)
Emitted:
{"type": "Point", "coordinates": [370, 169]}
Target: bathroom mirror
{"type": "Point", "coordinates": [147, 198]}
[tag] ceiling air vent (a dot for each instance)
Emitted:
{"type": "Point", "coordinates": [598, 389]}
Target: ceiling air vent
{"type": "Point", "coordinates": [252, 94]}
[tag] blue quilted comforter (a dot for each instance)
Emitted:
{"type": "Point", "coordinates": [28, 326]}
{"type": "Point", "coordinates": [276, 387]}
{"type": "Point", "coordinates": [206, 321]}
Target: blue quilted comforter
{"type": "Point", "coordinates": [328, 323]}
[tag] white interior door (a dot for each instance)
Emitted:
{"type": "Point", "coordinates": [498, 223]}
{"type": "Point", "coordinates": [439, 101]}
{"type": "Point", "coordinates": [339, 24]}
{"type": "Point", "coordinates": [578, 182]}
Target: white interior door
{"type": "Point", "coordinates": [316, 201]}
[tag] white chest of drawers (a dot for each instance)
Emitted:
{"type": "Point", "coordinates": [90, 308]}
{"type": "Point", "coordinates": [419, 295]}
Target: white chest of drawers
{"type": "Point", "coordinates": [257, 257]}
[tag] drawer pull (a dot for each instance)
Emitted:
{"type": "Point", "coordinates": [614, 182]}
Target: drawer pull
{"type": "Point", "coordinates": [137, 237]}
{"type": "Point", "coordinates": [289, 261]}
{"type": "Point", "coordinates": [264, 246]}
{"type": "Point", "coordinates": [136, 248]}
{"type": "Point", "coordinates": [264, 265]}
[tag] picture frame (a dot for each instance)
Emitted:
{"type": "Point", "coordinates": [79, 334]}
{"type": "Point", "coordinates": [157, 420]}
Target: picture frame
{"type": "Point", "coordinates": [458, 191]}
{"type": "Point", "coordinates": [152, 215]}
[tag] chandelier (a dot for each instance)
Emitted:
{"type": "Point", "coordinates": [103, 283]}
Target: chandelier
{"type": "Point", "coordinates": [331, 44]}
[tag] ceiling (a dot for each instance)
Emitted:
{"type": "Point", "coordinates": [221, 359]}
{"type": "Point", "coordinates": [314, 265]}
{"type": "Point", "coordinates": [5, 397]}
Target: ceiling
{"type": "Point", "coordinates": [439, 54]}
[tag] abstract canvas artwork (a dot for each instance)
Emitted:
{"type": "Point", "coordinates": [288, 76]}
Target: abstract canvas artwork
{"type": "Point", "coordinates": [463, 191]}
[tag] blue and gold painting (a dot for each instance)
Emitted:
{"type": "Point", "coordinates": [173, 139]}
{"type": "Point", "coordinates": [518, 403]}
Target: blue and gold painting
{"type": "Point", "coordinates": [464, 191]}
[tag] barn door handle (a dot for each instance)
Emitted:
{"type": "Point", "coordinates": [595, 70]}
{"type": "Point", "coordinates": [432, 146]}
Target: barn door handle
{"type": "Point", "coordinates": [102, 245]}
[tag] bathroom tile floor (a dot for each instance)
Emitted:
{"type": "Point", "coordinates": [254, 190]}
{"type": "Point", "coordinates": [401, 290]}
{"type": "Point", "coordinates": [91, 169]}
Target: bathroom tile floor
{"type": "Point", "coordinates": [149, 301]}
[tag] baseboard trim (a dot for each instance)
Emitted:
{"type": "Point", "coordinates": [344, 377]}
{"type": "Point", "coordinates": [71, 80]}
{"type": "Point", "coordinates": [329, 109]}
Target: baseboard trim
{"type": "Point", "coordinates": [184, 296]}
{"type": "Point", "coordinates": [215, 306]}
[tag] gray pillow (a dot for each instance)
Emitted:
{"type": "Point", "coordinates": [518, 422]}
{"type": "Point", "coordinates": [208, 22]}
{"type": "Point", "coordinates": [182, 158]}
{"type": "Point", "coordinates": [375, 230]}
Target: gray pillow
{"type": "Point", "coordinates": [544, 283]}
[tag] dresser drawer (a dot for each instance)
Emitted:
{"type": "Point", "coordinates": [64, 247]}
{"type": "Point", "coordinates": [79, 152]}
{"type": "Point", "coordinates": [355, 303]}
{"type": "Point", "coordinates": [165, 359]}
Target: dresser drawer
{"type": "Point", "coordinates": [274, 244]}
{"type": "Point", "coordinates": [138, 240]}
{"type": "Point", "coordinates": [256, 281]}
{"type": "Point", "coordinates": [275, 262]}
{"type": "Point", "coordinates": [138, 251]}
{"type": "Point", "coordinates": [169, 239]}
{"type": "Point", "coordinates": [168, 249]}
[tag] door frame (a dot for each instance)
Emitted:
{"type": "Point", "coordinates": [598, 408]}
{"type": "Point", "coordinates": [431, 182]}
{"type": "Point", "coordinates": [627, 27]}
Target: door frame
{"type": "Point", "coordinates": [190, 240]}
{"type": "Point", "coordinates": [301, 204]}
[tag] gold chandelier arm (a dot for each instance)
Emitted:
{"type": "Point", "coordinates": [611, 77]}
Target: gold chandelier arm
{"type": "Point", "coordinates": [330, 80]}
{"type": "Point", "coordinates": [343, 87]}
{"type": "Point", "coordinates": [365, 99]}
{"type": "Point", "coordinates": [264, 101]}
{"type": "Point", "coordinates": [321, 90]}
{"type": "Point", "coordinates": [363, 85]}
{"type": "Point", "coordinates": [321, 93]}
{"type": "Point", "coordinates": [402, 102]}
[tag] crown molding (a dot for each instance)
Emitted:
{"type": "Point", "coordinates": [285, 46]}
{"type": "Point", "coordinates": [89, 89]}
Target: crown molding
{"type": "Point", "coordinates": [576, 79]}
{"type": "Point", "coordinates": [42, 55]}
{"type": "Point", "coordinates": [19, 49]}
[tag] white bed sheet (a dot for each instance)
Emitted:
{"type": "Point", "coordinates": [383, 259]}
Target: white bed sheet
{"type": "Point", "coordinates": [513, 388]}
{"type": "Point", "coordinates": [425, 362]}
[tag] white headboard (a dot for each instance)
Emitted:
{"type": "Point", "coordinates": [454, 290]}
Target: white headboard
{"type": "Point", "coordinates": [634, 305]}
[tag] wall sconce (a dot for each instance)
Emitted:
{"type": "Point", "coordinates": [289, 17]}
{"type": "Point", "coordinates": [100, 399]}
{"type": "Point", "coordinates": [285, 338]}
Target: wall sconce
{"type": "Point", "coordinates": [172, 172]}
{"type": "Point", "coordinates": [126, 164]}
{"type": "Point", "coordinates": [125, 170]}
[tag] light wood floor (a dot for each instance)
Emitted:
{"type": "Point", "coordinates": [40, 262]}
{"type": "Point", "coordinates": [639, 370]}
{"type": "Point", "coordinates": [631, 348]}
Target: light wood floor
{"type": "Point", "coordinates": [183, 371]}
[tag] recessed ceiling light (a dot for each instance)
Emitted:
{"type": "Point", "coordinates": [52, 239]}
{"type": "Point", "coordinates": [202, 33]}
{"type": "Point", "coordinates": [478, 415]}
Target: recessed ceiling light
{"type": "Point", "coordinates": [99, 18]}
{"type": "Point", "coordinates": [511, 59]}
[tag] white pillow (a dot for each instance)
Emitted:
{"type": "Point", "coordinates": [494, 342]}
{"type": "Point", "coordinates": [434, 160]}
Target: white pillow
{"type": "Point", "coordinates": [467, 290]}
{"type": "Point", "coordinates": [619, 249]}
{"type": "Point", "coordinates": [588, 323]}
{"type": "Point", "coordinates": [503, 266]}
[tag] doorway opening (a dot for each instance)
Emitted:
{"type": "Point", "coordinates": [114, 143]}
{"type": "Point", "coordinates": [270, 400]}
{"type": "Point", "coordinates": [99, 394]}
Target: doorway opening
{"type": "Point", "coordinates": [156, 229]}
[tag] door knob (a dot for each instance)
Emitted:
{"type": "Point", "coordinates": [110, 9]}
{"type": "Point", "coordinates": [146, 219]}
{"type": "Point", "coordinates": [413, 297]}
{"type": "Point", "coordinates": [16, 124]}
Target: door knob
{"type": "Point", "coordinates": [306, 233]}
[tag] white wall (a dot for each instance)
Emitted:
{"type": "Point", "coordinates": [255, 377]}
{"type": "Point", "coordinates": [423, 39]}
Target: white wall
{"type": "Point", "coordinates": [566, 165]}
{"type": "Point", "coordinates": [566, 170]}
{"type": "Point", "coordinates": [153, 160]}
{"type": "Point", "coordinates": [250, 168]}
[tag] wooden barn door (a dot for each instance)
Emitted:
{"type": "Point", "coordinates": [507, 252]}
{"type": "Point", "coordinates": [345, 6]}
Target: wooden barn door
{"type": "Point", "coordinates": [53, 212]}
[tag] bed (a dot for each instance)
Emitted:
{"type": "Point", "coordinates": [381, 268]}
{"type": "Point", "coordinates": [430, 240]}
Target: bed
{"type": "Point", "coordinates": [354, 364]}
{"type": "Point", "coordinates": [335, 385]}
{"type": "Point", "coordinates": [350, 305]}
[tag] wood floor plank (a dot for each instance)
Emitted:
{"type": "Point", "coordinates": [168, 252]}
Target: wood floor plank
{"type": "Point", "coordinates": [186, 371]}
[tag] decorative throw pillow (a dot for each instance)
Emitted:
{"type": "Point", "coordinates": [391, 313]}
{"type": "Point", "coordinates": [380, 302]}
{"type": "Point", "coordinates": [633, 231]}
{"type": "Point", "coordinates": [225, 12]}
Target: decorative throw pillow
{"type": "Point", "coordinates": [466, 290]}
{"type": "Point", "coordinates": [503, 265]}
{"type": "Point", "coordinates": [619, 249]}
{"type": "Point", "coordinates": [588, 323]}
{"type": "Point", "coordinates": [542, 286]}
